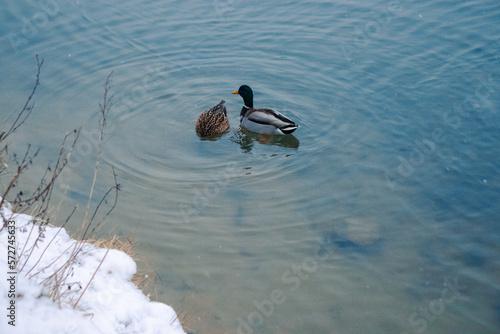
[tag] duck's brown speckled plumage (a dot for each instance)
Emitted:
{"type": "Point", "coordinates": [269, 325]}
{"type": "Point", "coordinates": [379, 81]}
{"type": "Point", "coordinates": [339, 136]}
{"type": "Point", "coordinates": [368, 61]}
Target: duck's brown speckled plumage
{"type": "Point", "coordinates": [213, 121]}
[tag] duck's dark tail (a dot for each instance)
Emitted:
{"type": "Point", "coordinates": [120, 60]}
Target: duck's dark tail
{"type": "Point", "coordinates": [287, 129]}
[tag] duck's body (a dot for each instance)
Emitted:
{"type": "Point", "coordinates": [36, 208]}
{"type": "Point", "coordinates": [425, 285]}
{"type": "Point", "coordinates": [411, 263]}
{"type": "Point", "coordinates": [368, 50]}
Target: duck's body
{"type": "Point", "coordinates": [265, 121]}
{"type": "Point", "coordinates": [213, 121]}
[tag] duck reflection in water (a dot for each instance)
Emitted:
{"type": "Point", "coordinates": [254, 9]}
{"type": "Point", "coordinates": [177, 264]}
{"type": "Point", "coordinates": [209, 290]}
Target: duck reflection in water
{"type": "Point", "coordinates": [246, 139]}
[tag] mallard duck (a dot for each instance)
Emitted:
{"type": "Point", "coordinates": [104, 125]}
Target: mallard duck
{"type": "Point", "coordinates": [265, 121]}
{"type": "Point", "coordinates": [213, 121]}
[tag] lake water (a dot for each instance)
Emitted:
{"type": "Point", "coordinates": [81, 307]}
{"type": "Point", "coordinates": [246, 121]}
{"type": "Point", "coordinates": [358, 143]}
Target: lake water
{"type": "Point", "coordinates": [379, 215]}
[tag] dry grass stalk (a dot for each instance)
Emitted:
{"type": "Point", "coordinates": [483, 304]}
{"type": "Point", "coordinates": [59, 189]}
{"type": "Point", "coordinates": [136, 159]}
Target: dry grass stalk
{"type": "Point", "coordinates": [145, 280]}
{"type": "Point", "coordinates": [38, 201]}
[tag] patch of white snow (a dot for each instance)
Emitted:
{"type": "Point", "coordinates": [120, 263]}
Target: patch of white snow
{"type": "Point", "coordinates": [111, 303]}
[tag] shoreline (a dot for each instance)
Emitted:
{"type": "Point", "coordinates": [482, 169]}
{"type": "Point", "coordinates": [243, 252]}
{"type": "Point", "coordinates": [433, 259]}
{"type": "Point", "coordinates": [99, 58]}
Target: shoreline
{"type": "Point", "coordinates": [62, 285]}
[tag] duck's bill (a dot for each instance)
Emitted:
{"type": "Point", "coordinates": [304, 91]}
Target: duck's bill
{"type": "Point", "coordinates": [236, 92]}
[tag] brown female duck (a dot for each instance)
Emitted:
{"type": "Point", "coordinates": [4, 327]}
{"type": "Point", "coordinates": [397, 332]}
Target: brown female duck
{"type": "Point", "coordinates": [213, 121]}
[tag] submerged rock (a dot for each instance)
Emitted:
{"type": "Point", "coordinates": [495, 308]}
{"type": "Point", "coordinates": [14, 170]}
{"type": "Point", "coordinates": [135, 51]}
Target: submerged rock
{"type": "Point", "coordinates": [355, 234]}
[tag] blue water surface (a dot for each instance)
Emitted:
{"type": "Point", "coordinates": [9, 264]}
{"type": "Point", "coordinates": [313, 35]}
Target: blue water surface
{"type": "Point", "coordinates": [379, 215]}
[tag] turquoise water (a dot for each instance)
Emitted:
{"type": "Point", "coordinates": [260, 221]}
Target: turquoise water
{"type": "Point", "coordinates": [379, 215]}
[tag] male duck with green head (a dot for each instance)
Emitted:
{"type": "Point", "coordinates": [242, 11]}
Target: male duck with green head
{"type": "Point", "coordinates": [265, 121]}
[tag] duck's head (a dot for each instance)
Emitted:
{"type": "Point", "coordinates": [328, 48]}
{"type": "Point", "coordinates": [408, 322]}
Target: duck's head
{"type": "Point", "coordinates": [246, 93]}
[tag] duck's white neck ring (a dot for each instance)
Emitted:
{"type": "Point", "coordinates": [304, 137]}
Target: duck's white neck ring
{"type": "Point", "coordinates": [244, 106]}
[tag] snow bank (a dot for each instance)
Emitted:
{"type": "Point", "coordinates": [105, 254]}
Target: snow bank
{"type": "Point", "coordinates": [111, 303]}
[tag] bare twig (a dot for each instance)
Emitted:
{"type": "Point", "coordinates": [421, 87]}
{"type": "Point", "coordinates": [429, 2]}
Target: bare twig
{"type": "Point", "coordinates": [44, 191]}
{"type": "Point", "coordinates": [40, 198]}
{"type": "Point", "coordinates": [116, 188]}
{"type": "Point", "coordinates": [92, 278]}
{"type": "Point", "coordinates": [59, 277]}
{"type": "Point", "coordinates": [21, 166]}
{"type": "Point", "coordinates": [26, 111]}
{"type": "Point", "coordinates": [104, 109]}
{"type": "Point", "coordinates": [50, 264]}
{"type": "Point", "coordinates": [46, 247]}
